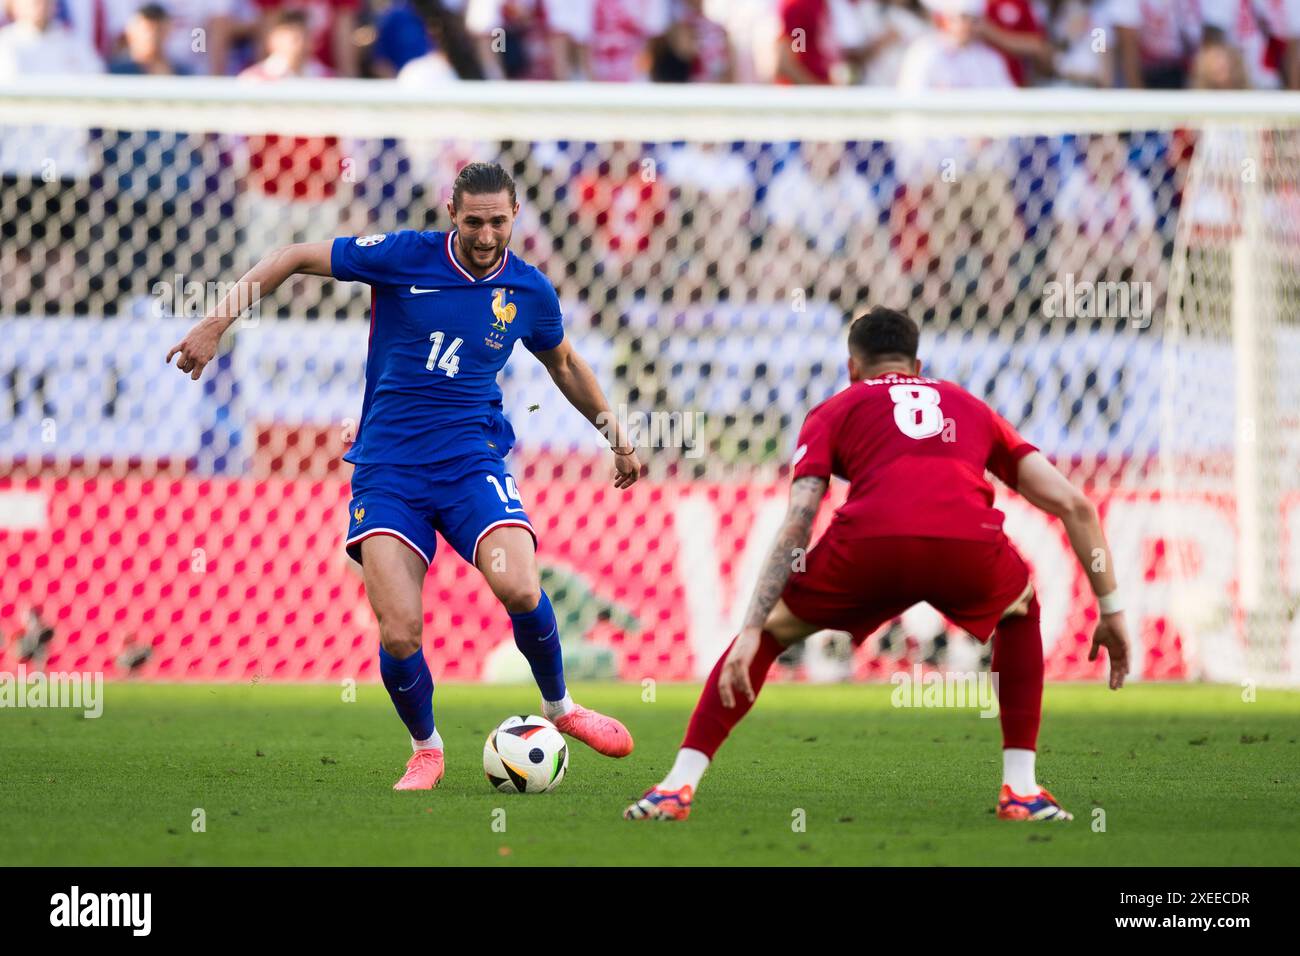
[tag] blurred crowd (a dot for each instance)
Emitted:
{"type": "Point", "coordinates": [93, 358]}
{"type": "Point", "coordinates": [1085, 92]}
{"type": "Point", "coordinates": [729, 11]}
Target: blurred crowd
{"type": "Point", "coordinates": [907, 44]}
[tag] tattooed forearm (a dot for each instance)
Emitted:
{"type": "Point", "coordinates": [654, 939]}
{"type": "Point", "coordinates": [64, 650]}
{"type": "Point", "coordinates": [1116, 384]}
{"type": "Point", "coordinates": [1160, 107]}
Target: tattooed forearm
{"type": "Point", "coordinates": [805, 498]}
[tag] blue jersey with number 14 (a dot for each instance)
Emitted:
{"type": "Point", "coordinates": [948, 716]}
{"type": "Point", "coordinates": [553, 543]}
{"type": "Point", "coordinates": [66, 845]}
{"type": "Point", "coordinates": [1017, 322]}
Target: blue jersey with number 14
{"type": "Point", "coordinates": [438, 338]}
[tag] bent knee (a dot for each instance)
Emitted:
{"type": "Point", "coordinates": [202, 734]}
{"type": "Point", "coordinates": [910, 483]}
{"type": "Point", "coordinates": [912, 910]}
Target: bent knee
{"type": "Point", "coordinates": [401, 634]}
{"type": "Point", "coordinates": [1020, 607]}
{"type": "Point", "coordinates": [518, 597]}
{"type": "Point", "coordinates": [785, 627]}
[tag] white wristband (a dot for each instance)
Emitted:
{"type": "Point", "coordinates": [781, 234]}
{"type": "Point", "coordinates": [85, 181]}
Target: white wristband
{"type": "Point", "coordinates": [1110, 603]}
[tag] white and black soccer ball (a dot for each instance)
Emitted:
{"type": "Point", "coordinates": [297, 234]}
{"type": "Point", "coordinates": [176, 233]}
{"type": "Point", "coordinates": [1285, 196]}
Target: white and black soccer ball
{"type": "Point", "coordinates": [525, 755]}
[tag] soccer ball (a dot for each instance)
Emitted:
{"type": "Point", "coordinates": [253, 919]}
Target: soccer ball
{"type": "Point", "coordinates": [525, 755]}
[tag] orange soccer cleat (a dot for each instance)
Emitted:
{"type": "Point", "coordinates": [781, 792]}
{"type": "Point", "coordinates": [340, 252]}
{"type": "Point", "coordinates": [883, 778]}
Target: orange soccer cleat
{"type": "Point", "coordinates": [660, 804]}
{"type": "Point", "coordinates": [1041, 806]}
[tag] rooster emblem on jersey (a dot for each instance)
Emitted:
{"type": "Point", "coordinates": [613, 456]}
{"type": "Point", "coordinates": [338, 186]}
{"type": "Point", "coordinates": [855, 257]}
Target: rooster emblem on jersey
{"type": "Point", "coordinates": [359, 514]}
{"type": "Point", "coordinates": [505, 313]}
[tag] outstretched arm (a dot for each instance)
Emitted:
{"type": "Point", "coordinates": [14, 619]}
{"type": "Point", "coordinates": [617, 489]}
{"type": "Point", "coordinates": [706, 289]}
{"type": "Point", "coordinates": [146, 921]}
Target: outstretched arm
{"type": "Point", "coordinates": [806, 496]}
{"type": "Point", "coordinates": [577, 383]}
{"type": "Point", "coordinates": [1050, 491]}
{"type": "Point", "coordinates": [199, 346]}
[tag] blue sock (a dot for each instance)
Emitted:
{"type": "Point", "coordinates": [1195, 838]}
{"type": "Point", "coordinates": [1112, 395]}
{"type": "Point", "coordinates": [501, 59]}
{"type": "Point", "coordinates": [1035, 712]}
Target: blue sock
{"type": "Point", "coordinates": [538, 638]}
{"type": "Point", "coordinates": [410, 685]}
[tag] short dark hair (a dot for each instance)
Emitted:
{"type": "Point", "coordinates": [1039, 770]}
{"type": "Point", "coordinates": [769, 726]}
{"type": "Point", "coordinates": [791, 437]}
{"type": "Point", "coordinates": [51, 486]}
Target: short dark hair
{"type": "Point", "coordinates": [292, 17]}
{"type": "Point", "coordinates": [153, 12]}
{"type": "Point", "coordinates": [883, 333]}
{"type": "Point", "coordinates": [477, 179]}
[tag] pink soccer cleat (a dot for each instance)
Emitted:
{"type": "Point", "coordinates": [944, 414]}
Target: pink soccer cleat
{"type": "Point", "coordinates": [423, 771]}
{"type": "Point", "coordinates": [605, 735]}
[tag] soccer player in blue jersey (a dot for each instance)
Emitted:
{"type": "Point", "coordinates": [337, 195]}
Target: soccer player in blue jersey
{"type": "Point", "coordinates": [446, 311]}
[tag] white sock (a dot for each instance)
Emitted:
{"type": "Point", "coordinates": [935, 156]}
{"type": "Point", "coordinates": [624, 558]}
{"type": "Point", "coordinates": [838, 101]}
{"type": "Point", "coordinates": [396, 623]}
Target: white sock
{"type": "Point", "coordinates": [1018, 771]}
{"type": "Point", "coordinates": [688, 768]}
{"type": "Point", "coordinates": [557, 708]}
{"type": "Point", "coordinates": [433, 743]}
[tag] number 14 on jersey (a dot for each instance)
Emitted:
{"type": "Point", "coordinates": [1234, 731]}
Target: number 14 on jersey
{"type": "Point", "coordinates": [450, 361]}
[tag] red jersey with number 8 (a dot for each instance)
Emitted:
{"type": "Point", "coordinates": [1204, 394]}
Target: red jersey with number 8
{"type": "Point", "coordinates": [914, 451]}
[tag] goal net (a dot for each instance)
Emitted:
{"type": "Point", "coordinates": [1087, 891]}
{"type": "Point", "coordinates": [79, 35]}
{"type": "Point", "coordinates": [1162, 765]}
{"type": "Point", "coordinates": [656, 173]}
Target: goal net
{"type": "Point", "coordinates": [1114, 273]}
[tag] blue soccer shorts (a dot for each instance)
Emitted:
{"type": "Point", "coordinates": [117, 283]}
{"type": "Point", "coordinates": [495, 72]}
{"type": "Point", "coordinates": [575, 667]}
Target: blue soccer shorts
{"type": "Point", "coordinates": [413, 503]}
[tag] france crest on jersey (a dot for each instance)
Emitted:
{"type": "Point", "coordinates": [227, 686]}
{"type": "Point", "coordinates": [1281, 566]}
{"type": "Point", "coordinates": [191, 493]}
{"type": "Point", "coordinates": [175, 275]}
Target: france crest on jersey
{"type": "Point", "coordinates": [430, 447]}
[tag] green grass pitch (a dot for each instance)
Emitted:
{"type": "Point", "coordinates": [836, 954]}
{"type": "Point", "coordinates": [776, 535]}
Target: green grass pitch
{"type": "Point", "coordinates": [1185, 775]}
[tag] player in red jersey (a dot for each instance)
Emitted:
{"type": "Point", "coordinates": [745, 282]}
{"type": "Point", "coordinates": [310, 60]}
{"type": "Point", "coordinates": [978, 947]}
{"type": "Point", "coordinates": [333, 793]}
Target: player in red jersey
{"type": "Point", "coordinates": [918, 525]}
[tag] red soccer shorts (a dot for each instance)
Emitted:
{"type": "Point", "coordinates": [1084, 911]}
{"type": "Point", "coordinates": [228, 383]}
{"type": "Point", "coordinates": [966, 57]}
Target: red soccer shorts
{"type": "Point", "coordinates": [858, 584]}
